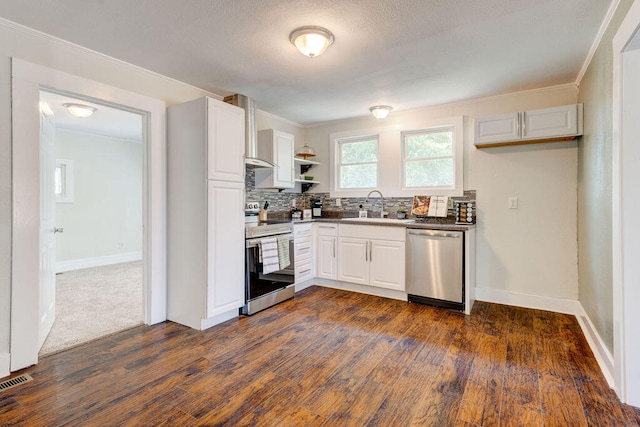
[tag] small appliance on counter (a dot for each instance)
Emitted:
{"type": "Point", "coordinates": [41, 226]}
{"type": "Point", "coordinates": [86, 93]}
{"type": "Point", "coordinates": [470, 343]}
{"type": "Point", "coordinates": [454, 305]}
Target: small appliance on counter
{"type": "Point", "coordinates": [316, 208]}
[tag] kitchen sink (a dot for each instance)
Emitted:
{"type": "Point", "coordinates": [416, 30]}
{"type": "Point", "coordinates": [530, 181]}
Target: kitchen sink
{"type": "Point", "coordinates": [380, 220]}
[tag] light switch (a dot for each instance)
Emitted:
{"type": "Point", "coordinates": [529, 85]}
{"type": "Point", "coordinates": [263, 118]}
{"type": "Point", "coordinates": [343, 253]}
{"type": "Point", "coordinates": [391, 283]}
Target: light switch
{"type": "Point", "coordinates": [338, 202]}
{"type": "Point", "coordinates": [513, 203]}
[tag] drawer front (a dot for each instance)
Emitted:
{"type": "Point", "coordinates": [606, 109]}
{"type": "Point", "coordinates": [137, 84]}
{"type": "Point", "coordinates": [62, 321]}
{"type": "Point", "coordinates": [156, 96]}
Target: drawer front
{"type": "Point", "coordinates": [304, 271]}
{"type": "Point", "coordinates": [303, 248]}
{"type": "Point", "coordinates": [302, 230]}
{"type": "Point", "coordinates": [327, 229]}
{"type": "Point", "coordinates": [379, 232]}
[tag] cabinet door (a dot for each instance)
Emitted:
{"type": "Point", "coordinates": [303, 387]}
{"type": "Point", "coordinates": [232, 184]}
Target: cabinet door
{"type": "Point", "coordinates": [283, 157]}
{"type": "Point", "coordinates": [501, 128]}
{"type": "Point", "coordinates": [326, 257]}
{"type": "Point", "coordinates": [387, 264]}
{"type": "Point", "coordinates": [551, 122]}
{"type": "Point", "coordinates": [225, 141]}
{"type": "Point", "coordinates": [353, 256]}
{"type": "Point", "coordinates": [225, 247]}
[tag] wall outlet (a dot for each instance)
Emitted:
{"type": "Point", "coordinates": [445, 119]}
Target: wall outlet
{"type": "Point", "coordinates": [120, 245]}
{"type": "Point", "coordinates": [338, 202]}
{"type": "Point", "coordinates": [293, 203]}
{"type": "Point", "coordinates": [513, 203]}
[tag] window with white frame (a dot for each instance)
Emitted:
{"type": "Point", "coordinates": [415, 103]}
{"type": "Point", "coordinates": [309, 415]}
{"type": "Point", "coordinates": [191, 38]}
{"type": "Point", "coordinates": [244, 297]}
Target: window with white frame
{"type": "Point", "coordinates": [357, 162]}
{"type": "Point", "coordinates": [63, 181]}
{"type": "Point", "coordinates": [400, 160]}
{"type": "Point", "coordinates": [428, 159]}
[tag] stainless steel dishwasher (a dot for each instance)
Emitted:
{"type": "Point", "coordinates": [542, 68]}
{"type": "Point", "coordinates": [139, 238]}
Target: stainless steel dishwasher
{"type": "Point", "coordinates": [435, 267]}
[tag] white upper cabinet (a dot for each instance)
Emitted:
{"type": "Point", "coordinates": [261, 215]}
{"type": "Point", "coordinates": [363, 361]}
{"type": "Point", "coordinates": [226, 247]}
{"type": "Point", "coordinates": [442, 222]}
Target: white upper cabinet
{"type": "Point", "coordinates": [530, 127]}
{"type": "Point", "coordinates": [276, 147]}
{"type": "Point", "coordinates": [225, 135]}
{"type": "Point", "coordinates": [550, 122]}
{"type": "Point", "coordinates": [505, 127]}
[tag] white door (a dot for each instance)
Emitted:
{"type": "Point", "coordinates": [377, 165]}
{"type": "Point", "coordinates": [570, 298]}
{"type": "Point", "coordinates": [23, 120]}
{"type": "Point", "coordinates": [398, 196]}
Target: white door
{"type": "Point", "coordinates": [387, 260]}
{"type": "Point", "coordinates": [326, 263]}
{"type": "Point", "coordinates": [225, 247]}
{"type": "Point", "coordinates": [47, 272]}
{"type": "Point", "coordinates": [225, 148]}
{"type": "Point", "coordinates": [283, 157]}
{"type": "Point", "coordinates": [354, 260]}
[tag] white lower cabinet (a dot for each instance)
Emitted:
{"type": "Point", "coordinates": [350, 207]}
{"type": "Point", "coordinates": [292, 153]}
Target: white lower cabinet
{"type": "Point", "coordinates": [327, 251]}
{"type": "Point", "coordinates": [354, 260]}
{"type": "Point", "coordinates": [370, 255]}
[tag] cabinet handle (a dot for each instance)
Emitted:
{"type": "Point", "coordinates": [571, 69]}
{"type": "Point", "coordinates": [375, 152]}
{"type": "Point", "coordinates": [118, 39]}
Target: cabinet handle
{"type": "Point", "coordinates": [366, 252]}
{"type": "Point", "coordinates": [370, 251]}
{"type": "Point", "coordinates": [334, 248]}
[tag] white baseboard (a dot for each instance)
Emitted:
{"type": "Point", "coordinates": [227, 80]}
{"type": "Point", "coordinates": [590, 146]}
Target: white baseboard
{"type": "Point", "coordinates": [78, 264]}
{"type": "Point", "coordinates": [558, 305]}
{"type": "Point", "coordinates": [363, 289]}
{"type": "Point", "coordinates": [5, 365]}
{"type": "Point", "coordinates": [215, 320]}
{"type": "Point", "coordinates": [303, 285]}
{"type": "Point", "coordinates": [598, 347]}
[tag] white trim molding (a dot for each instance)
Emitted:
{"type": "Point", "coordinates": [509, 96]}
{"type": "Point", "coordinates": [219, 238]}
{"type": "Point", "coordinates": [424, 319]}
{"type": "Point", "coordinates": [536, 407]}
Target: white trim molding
{"type": "Point", "coordinates": [78, 264]}
{"type": "Point", "coordinates": [626, 343]}
{"type": "Point", "coordinates": [596, 42]}
{"type": "Point", "coordinates": [558, 305]}
{"type": "Point", "coordinates": [600, 351]}
{"type": "Point", "coordinates": [5, 365]}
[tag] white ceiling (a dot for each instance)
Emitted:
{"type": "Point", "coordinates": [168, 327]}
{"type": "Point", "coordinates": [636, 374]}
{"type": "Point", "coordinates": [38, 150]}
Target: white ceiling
{"type": "Point", "coordinates": [405, 53]}
{"type": "Point", "coordinates": [106, 121]}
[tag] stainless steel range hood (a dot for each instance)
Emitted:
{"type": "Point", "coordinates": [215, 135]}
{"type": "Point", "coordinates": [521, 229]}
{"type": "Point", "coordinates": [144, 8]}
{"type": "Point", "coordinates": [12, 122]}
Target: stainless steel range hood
{"type": "Point", "coordinates": [251, 159]}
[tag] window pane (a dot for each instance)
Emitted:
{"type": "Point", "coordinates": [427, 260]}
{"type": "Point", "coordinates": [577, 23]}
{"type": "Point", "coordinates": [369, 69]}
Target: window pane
{"type": "Point", "coordinates": [429, 173]}
{"type": "Point", "coordinates": [359, 151]}
{"type": "Point", "coordinates": [358, 176]}
{"type": "Point", "coordinates": [58, 181]}
{"type": "Point", "coordinates": [436, 144]}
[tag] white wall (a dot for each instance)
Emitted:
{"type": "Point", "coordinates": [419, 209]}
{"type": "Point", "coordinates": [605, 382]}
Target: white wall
{"type": "Point", "coordinates": [38, 48]}
{"type": "Point", "coordinates": [107, 206]}
{"type": "Point", "coordinates": [531, 250]}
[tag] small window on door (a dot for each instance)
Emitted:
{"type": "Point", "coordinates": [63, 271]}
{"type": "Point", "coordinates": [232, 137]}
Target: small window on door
{"type": "Point", "coordinates": [63, 181]}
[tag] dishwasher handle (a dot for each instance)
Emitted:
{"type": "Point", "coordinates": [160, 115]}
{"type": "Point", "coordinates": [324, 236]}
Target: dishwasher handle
{"type": "Point", "coordinates": [433, 233]}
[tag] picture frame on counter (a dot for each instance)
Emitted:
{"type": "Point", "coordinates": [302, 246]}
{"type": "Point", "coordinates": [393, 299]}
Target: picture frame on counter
{"type": "Point", "coordinates": [306, 214]}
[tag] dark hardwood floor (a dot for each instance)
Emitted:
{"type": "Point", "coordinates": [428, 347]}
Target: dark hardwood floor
{"type": "Point", "coordinates": [330, 358]}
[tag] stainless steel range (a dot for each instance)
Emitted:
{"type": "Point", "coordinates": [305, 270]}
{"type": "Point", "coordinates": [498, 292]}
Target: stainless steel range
{"type": "Point", "coordinates": [264, 290]}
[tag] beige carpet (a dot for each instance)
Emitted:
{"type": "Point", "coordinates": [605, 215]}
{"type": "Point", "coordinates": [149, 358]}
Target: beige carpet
{"type": "Point", "coordinates": [95, 302]}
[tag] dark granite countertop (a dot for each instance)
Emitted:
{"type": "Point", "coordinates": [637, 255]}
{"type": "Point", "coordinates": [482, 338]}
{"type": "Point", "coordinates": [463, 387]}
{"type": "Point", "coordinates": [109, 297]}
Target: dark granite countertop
{"type": "Point", "coordinates": [393, 222]}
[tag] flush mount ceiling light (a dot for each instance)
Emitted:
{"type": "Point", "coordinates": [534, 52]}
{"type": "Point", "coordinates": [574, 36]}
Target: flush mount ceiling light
{"type": "Point", "coordinates": [380, 111]}
{"type": "Point", "coordinates": [79, 110]}
{"type": "Point", "coordinates": [311, 41]}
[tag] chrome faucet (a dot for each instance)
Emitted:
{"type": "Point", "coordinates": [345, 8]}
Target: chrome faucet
{"type": "Point", "coordinates": [383, 214]}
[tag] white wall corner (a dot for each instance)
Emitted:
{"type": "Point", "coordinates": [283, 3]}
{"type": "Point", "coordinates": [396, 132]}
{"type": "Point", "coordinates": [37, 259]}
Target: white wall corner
{"type": "Point", "coordinates": [558, 305]}
{"type": "Point", "coordinates": [5, 365]}
{"type": "Point", "coordinates": [600, 351]}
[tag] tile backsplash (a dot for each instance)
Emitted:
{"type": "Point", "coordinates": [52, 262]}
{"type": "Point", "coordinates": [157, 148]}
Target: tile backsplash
{"type": "Point", "coordinates": [280, 202]}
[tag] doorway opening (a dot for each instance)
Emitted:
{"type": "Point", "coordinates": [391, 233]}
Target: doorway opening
{"type": "Point", "coordinates": [26, 315]}
{"type": "Point", "coordinates": [97, 209]}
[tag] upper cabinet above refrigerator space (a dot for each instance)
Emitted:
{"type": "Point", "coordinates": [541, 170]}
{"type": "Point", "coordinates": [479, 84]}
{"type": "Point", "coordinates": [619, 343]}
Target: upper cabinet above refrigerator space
{"type": "Point", "coordinates": [213, 131]}
{"type": "Point", "coordinates": [553, 124]}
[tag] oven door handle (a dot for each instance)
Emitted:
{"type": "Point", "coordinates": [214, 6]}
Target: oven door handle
{"type": "Point", "coordinates": [252, 243]}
